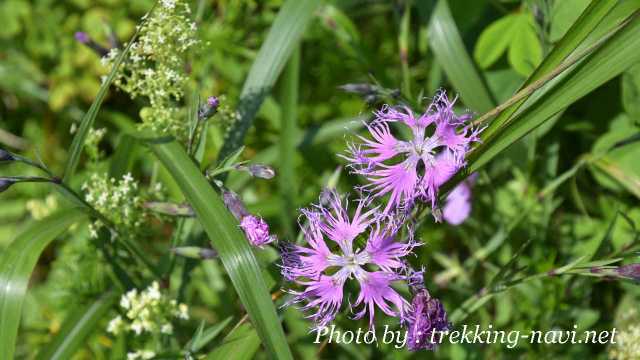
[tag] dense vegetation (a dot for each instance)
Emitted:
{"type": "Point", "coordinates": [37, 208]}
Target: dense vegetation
{"type": "Point", "coordinates": [154, 158]}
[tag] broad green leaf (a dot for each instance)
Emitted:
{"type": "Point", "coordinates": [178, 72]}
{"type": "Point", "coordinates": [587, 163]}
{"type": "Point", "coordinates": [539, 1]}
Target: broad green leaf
{"type": "Point", "coordinates": [90, 116]}
{"type": "Point", "coordinates": [494, 40]}
{"type": "Point", "coordinates": [525, 51]}
{"type": "Point", "coordinates": [617, 54]}
{"type": "Point", "coordinates": [284, 35]}
{"type": "Point", "coordinates": [564, 14]}
{"type": "Point", "coordinates": [16, 265]}
{"type": "Point", "coordinates": [449, 50]}
{"type": "Point", "coordinates": [77, 327]}
{"type": "Point", "coordinates": [226, 237]}
{"type": "Point", "coordinates": [241, 344]}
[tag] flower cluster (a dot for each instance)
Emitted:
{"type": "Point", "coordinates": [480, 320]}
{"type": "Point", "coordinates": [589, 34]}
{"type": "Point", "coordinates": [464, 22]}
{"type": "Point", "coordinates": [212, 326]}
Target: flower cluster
{"type": "Point", "coordinates": [155, 66]}
{"type": "Point", "coordinates": [148, 311]}
{"type": "Point", "coordinates": [410, 170]}
{"type": "Point", "coordinates": [370, 244]}
{"type": "Point", "coordinates": [118, 200]}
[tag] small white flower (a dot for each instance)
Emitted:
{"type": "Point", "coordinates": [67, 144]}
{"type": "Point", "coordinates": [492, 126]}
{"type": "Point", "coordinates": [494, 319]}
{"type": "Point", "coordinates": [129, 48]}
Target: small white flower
{"type": "Point", "coordinates": [166, 329]}
{"type": "Point", "coordinates": [115, 325]}
{"type": "Point", "coordinates": [183, 311]}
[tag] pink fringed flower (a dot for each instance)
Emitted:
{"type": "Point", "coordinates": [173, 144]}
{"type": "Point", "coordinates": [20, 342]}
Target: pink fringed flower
{"type": "Point", "coordinates": [323, 267]}
{"type": "Point", "coordinates": [414, 169]}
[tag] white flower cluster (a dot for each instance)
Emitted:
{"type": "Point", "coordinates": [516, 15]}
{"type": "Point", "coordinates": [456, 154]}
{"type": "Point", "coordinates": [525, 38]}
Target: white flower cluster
{"type": "Point", "coordinates": [39, 209]}
{"type": "Point", "coordinates": [118, 200]}
{"type": "Point", "coordinates": [627, 346]}
{"type": "Point", "coordinates": [141, 354]}
{"type": "Point", "coordinates": [94, 136]}
{"type": "Point", "coordinates": [155, 66]}
{"type": "Point", "coordinates": [148, 311]}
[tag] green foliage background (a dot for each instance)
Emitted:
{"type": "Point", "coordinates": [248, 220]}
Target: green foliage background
{"type": "Point", "coordinates": [563, 193]}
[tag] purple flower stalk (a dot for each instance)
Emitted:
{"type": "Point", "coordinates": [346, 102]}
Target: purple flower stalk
{"type": "Point", "coordinates": [426, 318]}
{"type": "Point", "coordinates": [323, 267]}
{"type": "Point", "coordinates": [256, 230]}
{"type": "Point", "coordinates": [413, 169]}
{"type": "Point", "coordinates": [457, 207]}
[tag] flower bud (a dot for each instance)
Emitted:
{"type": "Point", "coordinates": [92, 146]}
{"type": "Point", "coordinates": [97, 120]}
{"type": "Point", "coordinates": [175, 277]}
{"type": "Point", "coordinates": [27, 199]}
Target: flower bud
{"type": "Point", "coordinates": [234, 204]}
{"type": "Point", "coordinates": [83, 38]}
{"type": "Point", "coordinates": [195, 252]}
{"type": "Point", "coordinates": [209, 109]}
{"type": "Point", "coordinates": [6, 156]}
{"type": "Point", "coordinates": [631, 271]}
{"type": "Point", "coordinates": [258, 170]}
{"type": "Point", "coordinates": [6, 183]}
{"type": "Point", "coordinates": [256, 230]}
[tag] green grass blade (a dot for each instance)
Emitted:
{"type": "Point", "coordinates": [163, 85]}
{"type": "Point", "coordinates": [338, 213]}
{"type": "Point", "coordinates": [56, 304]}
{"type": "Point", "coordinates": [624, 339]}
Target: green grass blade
{"type": "Point", "coordinates": [618, 53]}
{"type": "Point", "coordinates": [241, 344]}
{"type": "Point", "coordinates": [16, 265]}
{"type": "Point", "coordinates": [90, 116]}
{"type": "Point", "coordinates": [450, 53]}
{"type": "Point", "coordinates": [226, 237]}
{"type": "Point", "coordinates": [583, 26]}
{"type": "Point", "coordinates": [289, 106]}
{"type": "Point", "coordinates": [77, 327]}
{"type": "Point", "coordinates": [204, 337]}
{"type": "Point", "coordinates": [283, 37]}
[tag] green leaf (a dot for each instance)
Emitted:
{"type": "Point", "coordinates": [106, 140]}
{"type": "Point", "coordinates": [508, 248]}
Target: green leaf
{"type": "Point", "coordinates": [525, 51]}
{"type": "Point", "coordinates": [241, 344]}
{"type": "Point", "coordinates": [16, 264]}
{"type": "Point", "coordinates": [90, 116]}
{"type": "Point", "coordinates": [203, 337]}
{"type": "Point", "coordinates": [289, 105]}
{"type": "Point", "coordinates": [631, 93]}
{"type": "Point", "coordinates": [564, 14]}
{"type": "Point", "coordinates": [579, 31]}
{"type": "Point", "coordinates": [283, 37]}
{"type": "Point", "coordinates": [226, 237]}
{"type": "Point", "coordinates": [451, 54]}
{"type": "Point", "coordinates": [616, 55]}
{"type": "Point", "coordinates": [494, 40]}
{"type": "Point", "coordinates": [77, 327]}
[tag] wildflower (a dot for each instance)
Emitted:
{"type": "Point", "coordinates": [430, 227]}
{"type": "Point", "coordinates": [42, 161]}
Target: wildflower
{"type": "Point", "coordinates": [209, 109]}
{"type": "Point", "coordinates": [147, 311]}
{"type": "Point", "coordinates": [141, 354]}
{"type": "Point", "coordinates": [414, 169]}
{"type": "Point", "coordinates": [254, 227]}
{"type": "Point", "coordinates": [323, 272]}
{"type": "Point", "coordinates": [457, 205]}
{"type": "Point", "coordinates": [257, 230]}
{"type": "Point", "coordinates": [631, 271]}
{"type": "Point", "coordinates": [427, 316]}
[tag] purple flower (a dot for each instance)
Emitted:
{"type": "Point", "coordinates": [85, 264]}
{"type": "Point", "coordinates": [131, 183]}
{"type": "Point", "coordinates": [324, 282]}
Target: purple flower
{"type": "Point", "coordinates": [631, 271]}
{"type": "Point", "coordinates": [457, 205]}
{"type": "Point", "coordinates": [6, 156]}
{"type": "Point", "coordinates": [414, 169]}
{"type": "Point", "coordinates": [323, 267]}
{"type": "Point", "coordinates": [82, 37]}
{"type": "Point", "coordinates": [209, 109]}
{"type": "Point", "coordinates": [427, 316]}
{"type": "Point", "coordinates": [256, 230]}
